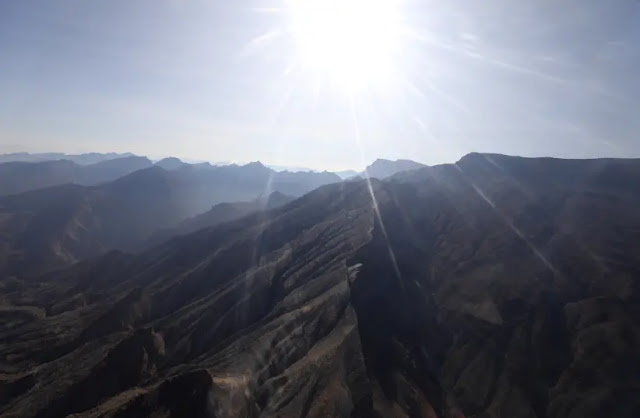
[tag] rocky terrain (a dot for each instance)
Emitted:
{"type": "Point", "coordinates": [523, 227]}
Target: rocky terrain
{"type": "Point", "coordinates": [493, 287]}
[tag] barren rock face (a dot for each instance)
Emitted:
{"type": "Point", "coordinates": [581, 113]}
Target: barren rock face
{"type": "Point", "coordinates": [496, 287]}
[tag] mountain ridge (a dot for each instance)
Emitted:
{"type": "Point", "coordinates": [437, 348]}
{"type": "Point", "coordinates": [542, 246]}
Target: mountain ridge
{"type": "Point", "coordinates": [382, 168]}
{"type": "Point", "coordinates": [463, 289]}
{"type": "Point", "coordinates": [123, 214]}
{"type": "Point", "coordinates": [82, 159]}
{"type": "Point", "coordinates": [18, 177]}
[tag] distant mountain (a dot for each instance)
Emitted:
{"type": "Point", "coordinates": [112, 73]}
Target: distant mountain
{"type": "Point", "coordinates": [18, 177]}
{"type": "Point", "coordinates": [493, 287]}
{"type": "Point", "coordinates": [221, 213]}
{"type": "Point", "coordinates": [379, 169]}
{"type": "Point", "coordinates": [288, 168]}
{"type": "Point", "coordinates": [382, 169]}
{"type": "Point", "coordinates": [202, 166]}
{"type": "Point", "coordinates": [300, 182]}
{"type": "Point", "coordinates": [56, 226]}
{"type": "Point", "coordinates": [83, 159]}
{"type": "Point", "coordinates": [109, 170]}
{"type": "Point", "coordinates": [203, 188]}
{"type": "Point", "coordinates": [346, 174]}
{"type": "Point", "coordinates": [193, 161]}
{"type": "Point", "coordinates": [171, 163]}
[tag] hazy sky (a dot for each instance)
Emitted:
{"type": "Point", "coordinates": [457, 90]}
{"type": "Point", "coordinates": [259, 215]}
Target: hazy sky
{"type": "Point", "coordinates": [223, 80]}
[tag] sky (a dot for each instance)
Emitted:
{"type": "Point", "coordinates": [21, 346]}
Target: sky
{"type": "Point", "coordinates": [242, 80]}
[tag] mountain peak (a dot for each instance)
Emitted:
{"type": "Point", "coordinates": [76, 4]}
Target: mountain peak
{"type": "Point", "coordinates": [256, 167]}
{"type": "Point", "coordinates": [382, 168]}
{"type": "Point", "coordinates": [171, 163]}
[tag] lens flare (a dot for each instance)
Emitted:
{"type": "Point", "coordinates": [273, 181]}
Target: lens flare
{"type": "Point", "coordinates": [354, 42]}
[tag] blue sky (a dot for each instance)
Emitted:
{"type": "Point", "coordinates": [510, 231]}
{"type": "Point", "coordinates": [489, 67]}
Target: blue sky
{"type": "Point", "coordinates": [208, 79]}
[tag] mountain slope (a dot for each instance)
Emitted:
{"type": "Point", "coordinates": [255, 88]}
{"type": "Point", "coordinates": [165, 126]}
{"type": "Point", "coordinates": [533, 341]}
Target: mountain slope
{"type": "Point", "coordinates": [53, 227]}
{"type": "Point", "coordinates": [252, 272]}
{"type": "Point", "coordinates": [109, 170]}
{"type": "Point", "coordinates": [171, 163]}
{"type": "Point", "coordinates": [221, 213]}
{"type": "Point", "coordinates": [382, 169]}
{"type": "Point", "coordinates": [19, 177]}
{"type": "Point", "coordinates": [497, 287]}
{"type": "Point", "coordinates": [347, 174]}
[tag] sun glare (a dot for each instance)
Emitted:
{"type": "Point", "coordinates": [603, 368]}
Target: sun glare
{"type": "Point", "coordinates": [354, 42]}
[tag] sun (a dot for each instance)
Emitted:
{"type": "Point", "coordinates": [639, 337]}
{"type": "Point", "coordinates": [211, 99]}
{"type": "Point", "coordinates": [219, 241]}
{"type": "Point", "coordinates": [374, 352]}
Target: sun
{"type": "Point", "coordinates": [354, 42]}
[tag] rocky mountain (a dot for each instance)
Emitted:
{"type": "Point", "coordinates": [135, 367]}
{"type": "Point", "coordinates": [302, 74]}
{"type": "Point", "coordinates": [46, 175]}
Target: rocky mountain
{"type": "Point", "coordinates": [494, 287]}
{"type": "Point", "coordinates": [19, 177]}
{"type": "Point", "coordinates": [82, 159]}
{"type": "Point", "coordinates": [346, 174]}
{"type": "Point", "coordinates": [171, 163]}
{"type": "Point", "coordinates": [221, 213]}
{"type": "Point", "coordinates": [57, 226]}
{"type": "Point", "coordinates": [382, 168]}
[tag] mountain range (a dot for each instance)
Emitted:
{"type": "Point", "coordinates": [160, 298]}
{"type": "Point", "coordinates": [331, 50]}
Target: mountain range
{"type": "Point", "coordinates": [381, 169]}
{"type": "Point", "coordinates": [55, 226]}
{"type": "Point", "coordinates": [83, 159]}
{"type": "Point", "coordinates": [18, 177]}
{"type": "Point", "coordinates": [493, 287]}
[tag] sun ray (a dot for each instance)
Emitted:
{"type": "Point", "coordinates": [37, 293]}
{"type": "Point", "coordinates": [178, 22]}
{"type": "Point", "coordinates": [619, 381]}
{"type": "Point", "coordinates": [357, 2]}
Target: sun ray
{"type": "Point", "coordinates": [433, 41]}
{"type": "Point", "coordinates": [374, 200]}
{"type": "Point", "coordinates": [260, 42]}
{"type": "Point", "coordinates": [534, 249]}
